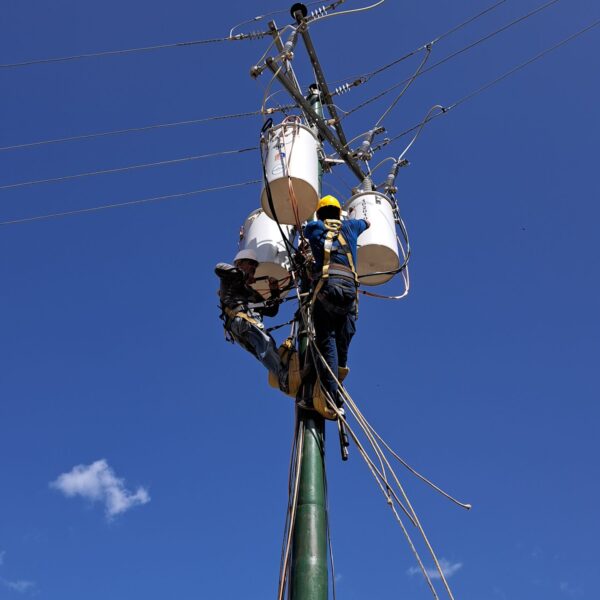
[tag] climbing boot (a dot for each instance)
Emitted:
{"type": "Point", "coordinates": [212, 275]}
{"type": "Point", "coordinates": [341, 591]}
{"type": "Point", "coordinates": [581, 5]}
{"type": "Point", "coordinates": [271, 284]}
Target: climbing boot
{"type": "Point", "coordinates": [320, 397]}
{"type": "Point", "coordinates": [289, 378]}
{"type": "Point", "coordinates": [343, 373]}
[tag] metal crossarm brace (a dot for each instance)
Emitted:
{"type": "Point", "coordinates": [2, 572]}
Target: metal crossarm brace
{"type": "Point", "coordinates": [276, 36]}
{"type": "Point", "coordinates": [319, 122]}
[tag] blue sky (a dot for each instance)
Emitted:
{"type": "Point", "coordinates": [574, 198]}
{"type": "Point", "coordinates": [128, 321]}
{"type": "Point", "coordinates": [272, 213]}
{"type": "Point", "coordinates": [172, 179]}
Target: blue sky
{"type": "Point", "coordinates": [111, 353]}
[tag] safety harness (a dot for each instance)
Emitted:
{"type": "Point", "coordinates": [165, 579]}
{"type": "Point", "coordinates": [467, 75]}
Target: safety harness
{"type": "Point", "coordinates": [334, 233]}
{"type": "Point", "coordinates": [242, 312]}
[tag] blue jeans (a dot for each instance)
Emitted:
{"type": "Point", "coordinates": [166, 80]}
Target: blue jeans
{"type": "Point", "coordinates": [334, 315]}
{"type": "Point", "coordinates": [259, 343]}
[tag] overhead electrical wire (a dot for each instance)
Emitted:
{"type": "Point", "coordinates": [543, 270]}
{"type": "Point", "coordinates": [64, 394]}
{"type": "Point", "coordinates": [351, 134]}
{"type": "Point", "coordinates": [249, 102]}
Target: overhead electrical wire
{"type": "Point", "coordinates": [59, 59]}
{"type": "Point", "coordinates": [442, 110]}
{"type": "Point", "coordinates": [87, 136]}
{"type": "Point", "coordinates": [523, 65]}
{"type": "Point", "coordinates": [159, 163]}
{"type": "Point", "coordinates": [454, 55]}
{"type": "Point", "coordinates": [428, 118]}
{"type": "Point", "coordinates": [255, 35]}
{"type": "Point", "coordinates": [128, 203]}
{"type": "Point", "coordinates": [359, 79]}
{"type": "Point", "coordinates": [363, 78]}
{"type": "Point", "coordinates": [458, 27]}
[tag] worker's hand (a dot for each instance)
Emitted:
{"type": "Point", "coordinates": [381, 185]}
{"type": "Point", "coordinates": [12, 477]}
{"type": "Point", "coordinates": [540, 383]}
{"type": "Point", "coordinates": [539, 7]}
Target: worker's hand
{"type": "Point", "coordinates": [273, 284]}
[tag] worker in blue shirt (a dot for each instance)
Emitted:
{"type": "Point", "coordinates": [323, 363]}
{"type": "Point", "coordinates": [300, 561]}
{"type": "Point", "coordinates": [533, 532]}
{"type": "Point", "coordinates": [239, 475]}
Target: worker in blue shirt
{"type": "Point", "coordinates": [334, 282]}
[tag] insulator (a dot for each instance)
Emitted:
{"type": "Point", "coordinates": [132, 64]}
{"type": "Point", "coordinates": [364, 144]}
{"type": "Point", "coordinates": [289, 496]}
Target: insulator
{"type": "Point", "coordinates": [252, 35]}
{"type": "Point", "coordinates": [342, 89]}
{"type": "Point", "coordinates": [318, 12]}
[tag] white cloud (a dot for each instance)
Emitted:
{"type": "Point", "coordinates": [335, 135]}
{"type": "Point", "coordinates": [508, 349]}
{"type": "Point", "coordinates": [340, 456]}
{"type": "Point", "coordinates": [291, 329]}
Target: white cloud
{"type": "Point", "coordinates": [97, 482]}
{"type": "Point", "coordinates": [447, 567]}
{"type": "Point", "coordinates": [22, 585]}
{"type": "Point", "coordinates": [2, 555]}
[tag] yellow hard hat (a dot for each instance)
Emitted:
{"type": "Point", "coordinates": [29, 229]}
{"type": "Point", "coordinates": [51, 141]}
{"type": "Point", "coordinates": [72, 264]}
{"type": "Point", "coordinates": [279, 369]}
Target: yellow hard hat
{"type": "Point", "coordinates": [328, 201]}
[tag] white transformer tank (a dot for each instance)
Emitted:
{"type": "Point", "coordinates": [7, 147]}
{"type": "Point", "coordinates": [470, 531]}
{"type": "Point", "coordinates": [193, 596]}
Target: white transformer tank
{"type": "Point", "coordinates": [261, 234]}
{"type": "Point", "coordinates": [378, 245]}
{"type": "Point", "coordinates": [292, 170]}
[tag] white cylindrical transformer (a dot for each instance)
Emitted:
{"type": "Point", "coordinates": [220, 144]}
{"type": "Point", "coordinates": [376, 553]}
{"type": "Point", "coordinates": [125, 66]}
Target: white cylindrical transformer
{"type": "Point", "coordinates": [261, 234]}
{"type": "Point", "coordinates": [378, 245]}
{"type": "Point", "coordinates": [292, 169]}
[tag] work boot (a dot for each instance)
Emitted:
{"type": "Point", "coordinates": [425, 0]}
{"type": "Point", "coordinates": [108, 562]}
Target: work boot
{"type": "Point", "coordinates": [343, 373]}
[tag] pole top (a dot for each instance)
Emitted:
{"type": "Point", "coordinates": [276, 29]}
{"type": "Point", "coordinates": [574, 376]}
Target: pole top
{"type": "Point", "coordinates": [298, 7]}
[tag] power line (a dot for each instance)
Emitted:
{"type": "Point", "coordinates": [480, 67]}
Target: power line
{"type": "Point", "coordinates": [389, 141]}
{"type": "Point", "coordinates": [523, 65]}
{"type": "Point", "coordinates": [458, 27]}
{"type": "Point", "coordinates": [41, 61]}
{"type": "Point", "coordinates": [479, 90]}
{"type": "Point", "coordinates": [360, 79]}
{"type": "Point", "coordinates": [454, 54]}
{"type": "Point", "coordinates": [87, 136]}
{"type": "Point", "coordinates": [130, 203]}
{"type": "Point", "coordinates": [159, 163]}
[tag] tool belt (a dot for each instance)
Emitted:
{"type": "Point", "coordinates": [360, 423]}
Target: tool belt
{"type": "Point", "coordinates": [337, 270]}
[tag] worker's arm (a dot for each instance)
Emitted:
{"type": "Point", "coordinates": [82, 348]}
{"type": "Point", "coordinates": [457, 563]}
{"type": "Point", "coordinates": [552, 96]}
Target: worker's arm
{"type": "Point", "coordinates": [272, 307]}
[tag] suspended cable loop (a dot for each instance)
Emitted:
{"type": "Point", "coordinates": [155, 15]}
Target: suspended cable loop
{"type": "Point", "coordinates": [405, 88]}
{"type": "Point", "coordinates": [159, 163]}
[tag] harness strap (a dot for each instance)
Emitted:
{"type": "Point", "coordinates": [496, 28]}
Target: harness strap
{"type": "Point", "coordinates": [232, 313]}
{"type": "Point", "coordinates": [334, 233]}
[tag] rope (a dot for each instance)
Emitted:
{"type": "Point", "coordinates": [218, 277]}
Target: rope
{"type": "Point", "coordinates": [367, 429]}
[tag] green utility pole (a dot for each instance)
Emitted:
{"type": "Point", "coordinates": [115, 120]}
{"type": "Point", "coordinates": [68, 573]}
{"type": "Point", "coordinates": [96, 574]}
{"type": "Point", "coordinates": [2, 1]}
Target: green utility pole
{"type": "Point", "coordinates": [309, 579]}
